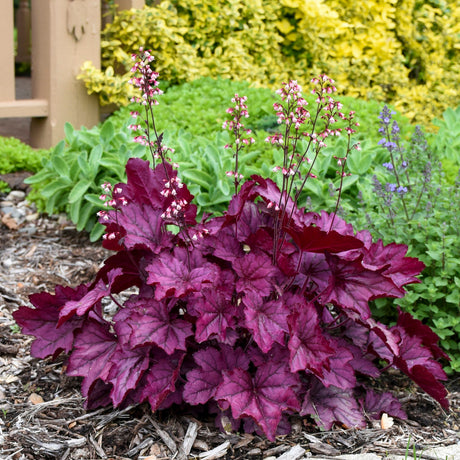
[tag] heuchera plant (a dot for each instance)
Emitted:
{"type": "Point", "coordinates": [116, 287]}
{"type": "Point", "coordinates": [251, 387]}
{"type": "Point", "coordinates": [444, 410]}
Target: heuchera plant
{"type": "Point", "coordinates": [257, 314]}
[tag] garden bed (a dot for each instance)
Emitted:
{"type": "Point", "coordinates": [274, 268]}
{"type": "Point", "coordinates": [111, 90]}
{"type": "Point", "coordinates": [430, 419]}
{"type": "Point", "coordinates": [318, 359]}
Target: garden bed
{"type": "Point", "coordinates": [42, 412]}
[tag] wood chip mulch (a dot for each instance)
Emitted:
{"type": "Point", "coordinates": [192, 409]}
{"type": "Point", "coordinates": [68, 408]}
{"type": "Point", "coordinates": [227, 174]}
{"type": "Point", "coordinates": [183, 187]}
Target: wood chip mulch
{"type": "Point", "coordinates": [41, 412]}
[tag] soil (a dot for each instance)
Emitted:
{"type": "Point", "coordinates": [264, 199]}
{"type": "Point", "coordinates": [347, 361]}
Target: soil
{"type": "Point", "coordinates": [41, 411]}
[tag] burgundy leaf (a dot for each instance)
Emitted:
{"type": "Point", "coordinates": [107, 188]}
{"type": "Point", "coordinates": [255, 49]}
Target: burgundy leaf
{"type": "Point", "coordinates": [216, 314]}
{"type": "Point", "coordinates": [324, 221]}
{"type": "Point", "coordinates": [313, 274]}
{"type": "Point", "coordinates": [271, 194]}
{"type": "Point", "coordinates": [340, 372]}
{"type": "Point", "coordinates": [90, 299]}
{"type": "Point", "coordinates": [415, 327]}
{"type": "Point", "coordinates": [98, 395]}
{"type": "Point", "coordinates": [309, 348]}
{"type": "Point", "coordinates": [417, 362]}
{"type": "Point", "coordinates": [160, 379]}
{"type": "Point", "coordinates": [263, 397]}
{"type": "Point", "coordinates": [93, 348]}
{"type": "Point", "coordinates": [127, 368]}
{"type": "Point", "coordinates": [142, 228]}
{"type": "Point", "coordinates": [255, 272]}
{"type": "Point", "coordinates": [377, 404]}
{"type": "Point", "coordinates": [402, 270]}
{"type": "Point", "coordinates": [202, 382]}
{"type": "Point", "coordinates": [313, 239]}
{"type": "Point", "coordinates": [330, 405]}
{"type": "Point", "coordinates": [172, 275]}
{"type": "Point", "coordinates": [238, 201]}
{"type": "Point", "coordinates": [129, 262]}
{"type": "Point", "coordinates": [152, 322]}
{"type": "Point", "coordinates": [42, 321]}
{"type": "Point", "coordinates": [267, 320]}
{"type": "Point", "coordinates": [353, 286]}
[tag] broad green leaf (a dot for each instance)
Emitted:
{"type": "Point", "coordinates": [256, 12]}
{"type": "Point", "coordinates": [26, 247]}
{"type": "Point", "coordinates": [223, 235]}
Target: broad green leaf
{"type": "Point", "coordinates": [86, 212]}
{"type": "Point", "coordinates": [202, 199]}
{"type": "Point", "coordinates": [69, 132]}
{"type": "Point", "coordinates": [84, 166]}
{"type": "Point", "coordinates": [97, 231]}
{"type": "Point", "coordinates": [199, 177]}
{"type": "Point", "coordinates": [95, 157]}
{"type": "Point", "coordinates": [55, 202]}
{"type": "Point", "coordinates": [59, 148]}
{"type": "Point", "coordinates": [54, 187]}
{"type": "Point", "coordinates": [74, 211]}
{"type": "Point", "coordinates": [107, 132]}
{"type": "Point", "coordinates": [79, 190]}
{"type": "Point", "coordinates": [359, 162]}
{"type": "Point", "coordinates": [224, 187]}
{"type": "Point", "coordinates": [61, 167]}
{"type": "Point", "coordinates": [94, 199]}
{"type": "Point", "coordinates": [41, 176]}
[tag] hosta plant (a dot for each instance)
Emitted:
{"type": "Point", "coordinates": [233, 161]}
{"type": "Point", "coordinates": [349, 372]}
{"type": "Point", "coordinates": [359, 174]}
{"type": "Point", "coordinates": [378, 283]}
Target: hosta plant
{"type": "Point", "coordinates": [257, 314]}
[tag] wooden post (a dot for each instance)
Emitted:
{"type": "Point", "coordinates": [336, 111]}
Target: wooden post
{"type": "Point", "coordinates": [23, 27]}
{"type": "Point", "coordinates": [65, 33]}
{"type": "Point", "coordinates": [128, 4]}
{"type": "Point", "coordinates": [7, 50]}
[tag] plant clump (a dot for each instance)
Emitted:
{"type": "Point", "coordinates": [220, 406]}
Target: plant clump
{"type": "Point", "coordinates": [255, 315]}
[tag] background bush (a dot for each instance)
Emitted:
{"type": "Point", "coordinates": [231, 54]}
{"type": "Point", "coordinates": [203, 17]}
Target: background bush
{"type": "Point", "coordinates": [405, 52]}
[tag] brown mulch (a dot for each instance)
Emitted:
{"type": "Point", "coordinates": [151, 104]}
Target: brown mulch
{"type": "Point", "coordinates": [41, 412]}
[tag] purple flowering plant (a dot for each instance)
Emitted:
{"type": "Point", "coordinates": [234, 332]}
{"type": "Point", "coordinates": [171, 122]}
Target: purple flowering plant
{"type": "Point", "coordinates": [258, 314]}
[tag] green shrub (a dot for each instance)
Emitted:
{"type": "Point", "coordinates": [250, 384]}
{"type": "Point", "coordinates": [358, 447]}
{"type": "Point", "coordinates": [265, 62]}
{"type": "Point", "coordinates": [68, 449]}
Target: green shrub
{"type": "Point", "coordinates": [17, 156]}
{"type": "Point", "coordinates": [70, 180]}
{"type": "Point", "coordinates": [408, 200]}
{"type": "Point", "coordinates": [405, 54]}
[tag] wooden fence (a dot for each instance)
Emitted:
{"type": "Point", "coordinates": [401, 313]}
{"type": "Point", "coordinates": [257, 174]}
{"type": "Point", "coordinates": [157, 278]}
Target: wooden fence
{"type": "Point", "coordinates": [57, 36]}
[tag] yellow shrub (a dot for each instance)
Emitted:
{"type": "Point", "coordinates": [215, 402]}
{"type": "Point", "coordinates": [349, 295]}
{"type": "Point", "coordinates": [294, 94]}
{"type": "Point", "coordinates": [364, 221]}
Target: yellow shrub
{"type": "Point", "coordinates": [404, 52]}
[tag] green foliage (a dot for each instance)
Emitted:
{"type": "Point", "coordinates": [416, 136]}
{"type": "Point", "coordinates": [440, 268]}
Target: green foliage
{"type": "Point", "coordinates": [424, 216]}
{"type": "Point", "coordinates": [70, 180]}
{"type": "Point", "coordinates": [447, 142]}
{"type": "Point", "coordinates": [17, 156]}
{"type": "Point", "coordinates": [405, 52]}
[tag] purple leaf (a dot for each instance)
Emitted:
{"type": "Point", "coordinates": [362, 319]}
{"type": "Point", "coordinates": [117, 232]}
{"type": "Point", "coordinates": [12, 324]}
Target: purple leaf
{"type": "Point", "coordinates": [42, 321]}
{"type": "Point", "coordinates": [152, 322]}
{"type": "Point", "coordinates": [203, 382]}
{"type": "Point", "coordinates": [216, 314]}
{"type": "Point", "coordinates": [91, 298]}
{"type": "Point", "coordinates": [377, 404]}
{"type": "Point", "coordinates": [267, 320]}
{"type": "Point", "coordinates": [313, 239]}
{"type": "Point", "coordinates": [173, 276]}
{"type": "Point", "coordinates": [330, 405]}
{"type": "Point", "coordinates": [417, 362]}
{"type": "Point", "coordinates": [127, 368]}
{"type": "Point", "coordinates": [340, 372]}
{"type": "Point", "coordinates": [255, 272]}
{"type": "Point", "coordinates": [415, 327]}
{"type": "Point", "coordinates": [353, 286]}
{"type": "Point", "coordinates": [93, 348]}
{"type": "Point", "coordinates": [309, 348]}
{"type": "Point", "coordinates": [314, 274]}
{"type": "Point", "coordinates": [160, 379]}
{"type": "Point", "coordinates": [263, 397]}
{"type": "Point", "coordinates": [402, 270]}
{"type": "Point", "coordinates": [140, 227]}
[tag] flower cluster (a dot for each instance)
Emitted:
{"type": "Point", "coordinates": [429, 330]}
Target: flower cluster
{"type": "Point", "coordinates": [147, 82]}
{"type": "Point", "coordinates": [240, 134]}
